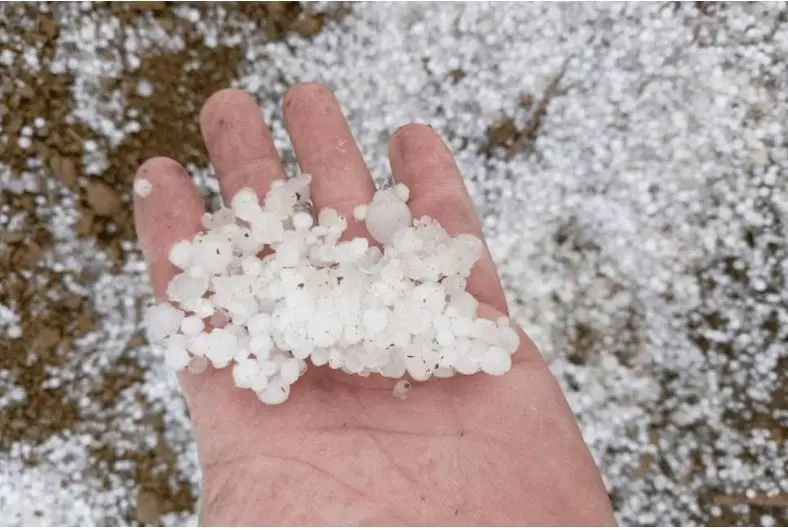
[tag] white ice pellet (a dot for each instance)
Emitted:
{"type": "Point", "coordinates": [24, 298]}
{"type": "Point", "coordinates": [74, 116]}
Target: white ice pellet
{"type": "Point", "coordinates": [177, 356]}
{"type": "Point", "coordinates": [360, 212]}
{"type": "Point", "coordinates": [259, 324]}
{"type": "Point", "coordinates": [401, 389]}
{"type": "Point", "coordinates": [508, 339]}
{"type": "Point", "coordinates": [245, 204]}
{"type": "Point", "coordinates": [245, 372]}
{"type": "Point", "coordinates": [496, 361]}
{"type": "Point", "coordinates": [385, 217]}
{"type": "Point", "coordinates": [186, 287]}
{"type": "Point", "coordinates": [260, 344]}
{"type": "Point", "coordinates": [374, 321]}
{"type": "Point", "coordinates": [326, 301]}
{"type": "Point", "coordinates": [180, 254]}
{"type": "Point", "coordinates": [275, 392]}
{"type": "Point", "coordinates": [161, 321]}
{"type": "Point", "coordinates": [290, 371]}
{"type": "Point", "coordinates": [302, 221]}
{"type": "Point", "coordinates": [142, 187]}
{"type": "Point", "coordinates": [192, 325]}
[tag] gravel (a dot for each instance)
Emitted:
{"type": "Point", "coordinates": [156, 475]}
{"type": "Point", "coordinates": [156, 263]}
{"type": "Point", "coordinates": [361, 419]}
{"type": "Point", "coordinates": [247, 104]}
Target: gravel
{"type": "Point", "coordinates": [629, 162]}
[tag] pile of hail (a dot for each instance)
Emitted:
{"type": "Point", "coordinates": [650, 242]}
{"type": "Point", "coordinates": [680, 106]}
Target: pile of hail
{"type": "Point", "coordinates": [267, 289]}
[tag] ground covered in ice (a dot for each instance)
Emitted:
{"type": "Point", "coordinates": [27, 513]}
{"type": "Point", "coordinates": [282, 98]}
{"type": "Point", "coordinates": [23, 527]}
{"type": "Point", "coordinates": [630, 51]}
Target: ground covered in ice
{"type": "Point", "coordinates": [629, 163]}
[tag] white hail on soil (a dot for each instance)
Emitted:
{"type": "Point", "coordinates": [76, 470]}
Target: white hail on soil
{"type": "Point", "coordinates": [641, 242]}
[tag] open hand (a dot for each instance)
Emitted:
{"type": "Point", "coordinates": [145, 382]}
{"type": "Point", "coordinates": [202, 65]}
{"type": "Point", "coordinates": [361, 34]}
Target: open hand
{"type": "Point", "coordinates": [470, 450]}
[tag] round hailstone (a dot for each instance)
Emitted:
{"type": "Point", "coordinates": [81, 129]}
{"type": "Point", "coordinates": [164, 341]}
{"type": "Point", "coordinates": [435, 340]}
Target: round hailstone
{"type": "Point", "coordinates": [251, 266]}
{"type": "Point", "coordinates": [303, 349]}
{"type": "Point", "coordinates": [275, 392]}
{"type": "Point", "coordinates": [181, 254]}
{"type": "Point", "coordinates": [161, 321]}
{"type": "Point", "coordinates": [401, 389]}
{"type": "Point", "coordinates": [259, 324]}
{"type": "Point", "coordinates": [320, 356]}
{"type": "Point", "coordinates": [213, 253]}
{"type": "Point", "coordinates": [395, 367]}
{"type": "Point", "coordinates": [385, 217]}
{"type": "Point", "coordinates": [324, 330]}
{"type": "Point", "coordinates": [352, 334]}
{"type": "Point", "coordinates": [444, 372]}
{"type": "Point", "coordinates": [245, 204]}
{"type": "Point", "coordinates": [142, 187]}
{"type": "Point", "coordinates": [290, 371]}
{"type": "Point", "coordinates": [192, 325]}
{"type": "Point", "coordinates": [245, 372]}
{"type": "Point", "coordinates": [220, 347]}
{"type": "Point", "coordinates": [267, 228]}
{"type": "Point", "coordinates": [508, 339]}
{"type": "Point", "coordinates": [496, 361]}
{"type": "Point", "coordinates": [183, 287]}
{"type": "Point", "coordinates": [302, 221]}
{"type": "Point", "coordinates": [198, 271]}
{"type": "Point", "coordinates": [444, 337]}
{"type": "Point", "coordinates": [467, 249]}
{"type": "Point", "coordinates": [268, 367]}
{"type": "Point", "coordinates": [242, 240]}
{"type": "Point", "coordinates": [421, 364]}
{"type": "Point", "coordinates": [260, 344]}
{"type": "Point", "coordinates": [202, 308]}
{"type": "Point", "coordinates": [360, 212]}
{"type": "Point", "coordinates": [465, 304]}
{"type": "Point", "coordinates": [177, 357]}
{"type": "Point", "coordinates": [242, 353]}
{"type": "Point", "coordinates": [259, 382]}
{"type": "Point", "coordinates": [374, 321]}
{"type": "Point", "coordinates": [466, 365]}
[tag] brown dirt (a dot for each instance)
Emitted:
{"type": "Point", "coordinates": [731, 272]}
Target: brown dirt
{"type": "Point", "coordinates": [504, 135]}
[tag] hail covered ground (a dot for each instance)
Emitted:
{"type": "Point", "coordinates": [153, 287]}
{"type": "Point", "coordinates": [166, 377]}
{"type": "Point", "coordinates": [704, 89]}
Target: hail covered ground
{"type": "Point", "coordinates": [628, 161]}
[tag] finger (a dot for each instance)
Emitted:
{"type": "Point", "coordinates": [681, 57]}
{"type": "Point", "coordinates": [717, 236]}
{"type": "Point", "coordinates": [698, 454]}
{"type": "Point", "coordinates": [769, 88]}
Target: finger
{"type": "Point", "coordinates": [170, 212]}
{"type": "Point", "coordinates": [239, 142]}
{"type": "Point", "coordinates": [325, 148]}
{"type": "Point", "coordinates": [420, 160]}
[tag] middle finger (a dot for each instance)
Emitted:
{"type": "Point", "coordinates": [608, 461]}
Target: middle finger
{"type": "Point", "coordinates": [325, 148]}
{"type": "Point", "coordinates": [240, 144]}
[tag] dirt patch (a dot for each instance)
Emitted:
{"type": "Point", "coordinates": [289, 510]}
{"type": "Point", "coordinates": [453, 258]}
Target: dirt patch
{"type": "Point", "coordinates": [506, 136]}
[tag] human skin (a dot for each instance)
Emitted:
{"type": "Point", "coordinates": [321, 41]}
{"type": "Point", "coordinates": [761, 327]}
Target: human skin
{"type": "Point", "coordinates": [470, 450]}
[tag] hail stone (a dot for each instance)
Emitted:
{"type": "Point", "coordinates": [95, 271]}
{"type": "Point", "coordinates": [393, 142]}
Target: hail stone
{"type": "Point", "coordinates": [161, 321]}
{"type": "Point", "coordinates": [192, 325]}
{"type": "Point", "coordinates": [275, 392]}
{"type": "Point", "coordinates": [142, 187]}
{"type": "Point", "coordinates": [496, 361]}
{"type": "Point", "coordinates": [386, 215]}
{"type": "Point", "coordinates": [396, 309]}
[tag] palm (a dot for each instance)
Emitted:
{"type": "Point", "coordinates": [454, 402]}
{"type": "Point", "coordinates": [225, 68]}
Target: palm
{"type": "Point", "coordinates": [342, 450]}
